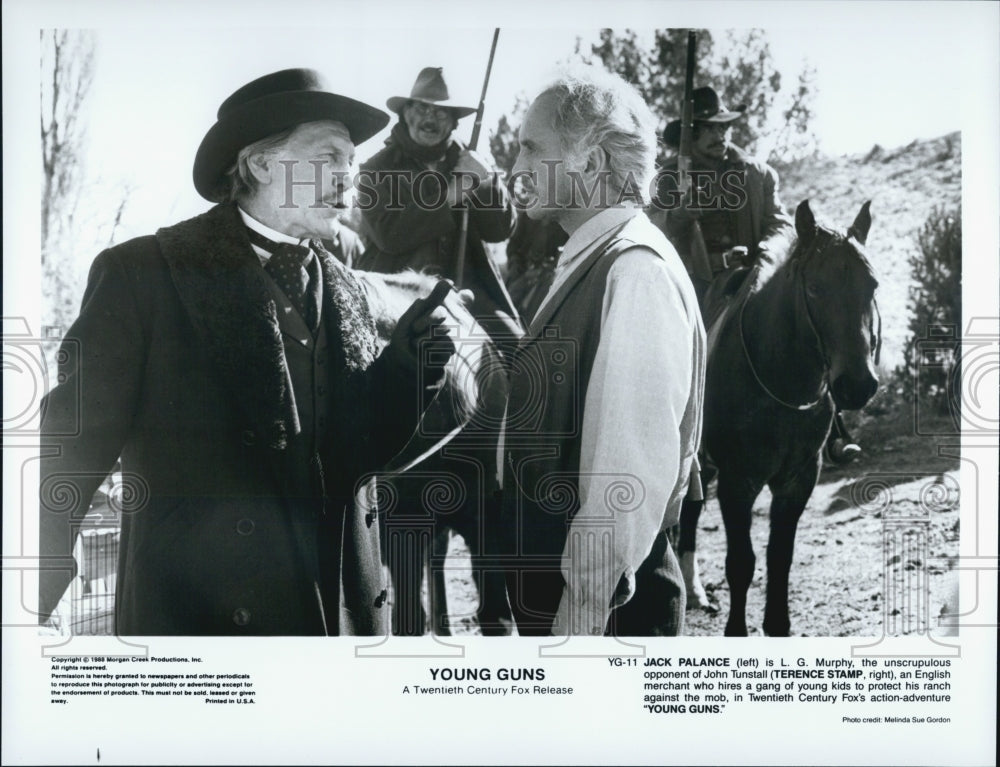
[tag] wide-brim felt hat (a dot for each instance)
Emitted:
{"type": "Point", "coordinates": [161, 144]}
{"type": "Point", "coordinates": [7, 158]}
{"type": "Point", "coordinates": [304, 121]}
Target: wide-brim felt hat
{"type": "Point", "coordinates": [430, 88]}
{"type": "Point", "coordinates": [272, 104]}
{"type": "Point", "coordinates": [708, 108]}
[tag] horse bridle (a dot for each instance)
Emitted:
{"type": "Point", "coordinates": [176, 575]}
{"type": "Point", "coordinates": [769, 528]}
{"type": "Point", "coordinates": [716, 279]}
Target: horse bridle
{"type": "Point", "coordinates": [875, 342]}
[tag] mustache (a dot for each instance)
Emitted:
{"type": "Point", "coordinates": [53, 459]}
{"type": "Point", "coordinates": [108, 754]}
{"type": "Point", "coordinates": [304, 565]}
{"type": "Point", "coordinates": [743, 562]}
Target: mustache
{"type": "Point", "coordinates": [337, 198]}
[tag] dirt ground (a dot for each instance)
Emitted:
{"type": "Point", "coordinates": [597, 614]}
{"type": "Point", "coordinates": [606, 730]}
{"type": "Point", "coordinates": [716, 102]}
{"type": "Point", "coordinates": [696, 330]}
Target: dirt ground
{"type": "Point", "coordinates": [875, 551]}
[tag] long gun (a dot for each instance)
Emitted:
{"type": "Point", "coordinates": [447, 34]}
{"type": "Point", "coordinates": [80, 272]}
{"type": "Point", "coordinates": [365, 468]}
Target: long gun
{"type": "Point", "coordinates": [463, 230]}
{"type": "Point", "coordinates": [700, 265]}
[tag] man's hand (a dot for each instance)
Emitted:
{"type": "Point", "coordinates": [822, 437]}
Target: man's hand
{"type": "Point", "coordinates": [474, 163]}
{"type": "Point", "coordinates": [422, 335]}
{"type": "Point", "coordinates": [580, 616]}
{"type": "Point", "coordinates": [737, 256]}
{"type": "Point", "coordinates": [471, 171]}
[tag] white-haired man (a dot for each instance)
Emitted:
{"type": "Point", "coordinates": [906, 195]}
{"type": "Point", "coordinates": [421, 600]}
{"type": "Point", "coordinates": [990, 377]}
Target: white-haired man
{"type": "Point", "coordinates": [231, 362]}
{"type": "Point", "coordinates": [604, 414]}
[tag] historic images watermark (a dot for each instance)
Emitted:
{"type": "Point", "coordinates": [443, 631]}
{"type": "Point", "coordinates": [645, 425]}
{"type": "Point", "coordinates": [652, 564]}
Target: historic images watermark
{"type": "Point", "coordinates": [555, 189]}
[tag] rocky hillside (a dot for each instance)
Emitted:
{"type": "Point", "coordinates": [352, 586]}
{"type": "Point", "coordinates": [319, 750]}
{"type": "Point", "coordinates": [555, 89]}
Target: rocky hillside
{"type": "Point", "coordinates": [904, 184]}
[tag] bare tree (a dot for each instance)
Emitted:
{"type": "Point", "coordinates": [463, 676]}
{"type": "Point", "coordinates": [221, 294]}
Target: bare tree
{"type": "Point", "coordinates": [71, 224]}
{"type": "Point", "coordinates": [67, 67]}
{"type": "Point", "coordinates": [67, 74]}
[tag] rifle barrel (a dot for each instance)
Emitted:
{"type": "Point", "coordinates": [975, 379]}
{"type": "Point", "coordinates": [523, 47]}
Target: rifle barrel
{"type": "Point", "coordinates": [463, 227]}
{"type": "Point", "coordinates": [687, 113]}
{"type": "Point", "coordinates": [474, 141]}
{"type": "Point", "coordinates": [698, 256]}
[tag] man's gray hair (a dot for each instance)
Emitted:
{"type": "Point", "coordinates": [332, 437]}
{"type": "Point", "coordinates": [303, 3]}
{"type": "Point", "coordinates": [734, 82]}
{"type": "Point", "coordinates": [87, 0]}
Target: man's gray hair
{"type": "Point", "coordinates": [238, 182]}
{"type": "Point", "coordinates": [597, 108]}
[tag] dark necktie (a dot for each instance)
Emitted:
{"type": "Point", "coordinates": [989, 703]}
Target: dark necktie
{"type": "Point", "coordinates": [289, 268]}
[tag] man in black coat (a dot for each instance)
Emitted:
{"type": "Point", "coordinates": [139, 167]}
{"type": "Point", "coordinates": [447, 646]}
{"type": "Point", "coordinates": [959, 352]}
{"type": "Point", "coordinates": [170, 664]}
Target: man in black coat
{"type": "Point", "coordinates": [232, 364]}
{"type": "Point", "coordinates": [411, 193]}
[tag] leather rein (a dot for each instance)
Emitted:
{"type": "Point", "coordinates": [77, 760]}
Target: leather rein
{"type": "Point", "coordinates": [876, 342]}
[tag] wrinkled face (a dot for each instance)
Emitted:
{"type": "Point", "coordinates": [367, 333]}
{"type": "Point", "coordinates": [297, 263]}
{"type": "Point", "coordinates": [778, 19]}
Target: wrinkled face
{"type": "Point", "coordinates": [543, 164]}
{"type": "Point", "coordinates": [711, 140]}
{"type": "Point", "coordinates": [428, 125]}
{"type": "Point", "coordinates": [307, 181]}
{"type": "Point", "coordinates": [840, 292]}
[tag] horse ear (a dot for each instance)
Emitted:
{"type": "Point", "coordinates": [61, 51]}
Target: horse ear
{"type": "Point", "coordinates": [805, 222]}
{"type": "Point", "coordinates": [859, 229]}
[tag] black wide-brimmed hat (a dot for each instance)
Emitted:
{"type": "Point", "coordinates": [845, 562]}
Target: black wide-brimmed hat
{"type": "Point", "coordinates": [708, 108]}
{"type": "Point", "coordinates": [430, 88]}
{"type": "Point", "coordinates": [272, 104]}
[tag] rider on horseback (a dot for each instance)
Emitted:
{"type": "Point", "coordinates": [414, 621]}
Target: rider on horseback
{"type": "Point", "coordinates": [734, 201]}
{"type": "Point", "coordinates": [734, 197]}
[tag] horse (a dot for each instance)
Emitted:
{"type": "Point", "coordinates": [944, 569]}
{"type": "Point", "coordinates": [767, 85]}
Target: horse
{"type": "Point", "coordinates": [797, 339]}
{"type": "Point", "coordinates": [442, 481]}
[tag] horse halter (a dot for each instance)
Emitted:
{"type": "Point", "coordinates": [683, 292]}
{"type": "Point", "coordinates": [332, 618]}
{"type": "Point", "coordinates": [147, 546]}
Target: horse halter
{"type": "Point", "coordinates": [753, 371]}
{"type": "Point", "coordinates": [804, 292]}
{"type": "Point", "coordinates": [875, 341]}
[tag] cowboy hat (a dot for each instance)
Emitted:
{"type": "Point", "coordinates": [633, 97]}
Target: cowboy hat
{"type": "Point", "coordinates": [708, 108]}
{"type": "Point", "coordinates": [430, 88]}
{"type": "Point", "coordinates": [272, 104]}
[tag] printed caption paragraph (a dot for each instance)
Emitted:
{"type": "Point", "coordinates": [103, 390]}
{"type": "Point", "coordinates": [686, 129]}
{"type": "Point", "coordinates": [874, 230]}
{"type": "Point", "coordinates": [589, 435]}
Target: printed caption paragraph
{"type": "Point", "coordinates": [893, 690]}
{"type": "Point", "coordinates": [140, 677]}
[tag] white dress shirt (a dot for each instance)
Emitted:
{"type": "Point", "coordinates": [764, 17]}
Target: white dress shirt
{"type": "Point", "coordinates": [271, 234]}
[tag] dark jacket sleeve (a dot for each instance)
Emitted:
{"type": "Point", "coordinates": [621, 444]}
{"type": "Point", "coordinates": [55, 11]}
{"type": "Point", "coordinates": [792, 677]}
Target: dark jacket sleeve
{"type": "Point", "coordinates": [776, 224]}
{"type": "Point", "coordinates": [393, 219]}
{"type": "Point", "coordinates": [86, 418]}
{"type": "Point", "coordinates": [400, 215]}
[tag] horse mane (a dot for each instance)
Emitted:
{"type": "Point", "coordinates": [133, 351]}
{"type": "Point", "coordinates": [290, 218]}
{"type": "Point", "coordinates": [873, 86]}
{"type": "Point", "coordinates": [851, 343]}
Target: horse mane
{"type": "Point", "coordinates": [389, 295]}
{"type": "Point", "coordinates": [785, 255]}
{"type": "Point", "coordinates": [781, 250]}
{"type": "Point", "coordinates": [409, 280]}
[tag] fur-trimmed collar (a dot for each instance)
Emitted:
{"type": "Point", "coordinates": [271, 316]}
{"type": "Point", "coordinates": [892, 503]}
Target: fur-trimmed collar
{"type": "Point", "coordinates": [224, 290]}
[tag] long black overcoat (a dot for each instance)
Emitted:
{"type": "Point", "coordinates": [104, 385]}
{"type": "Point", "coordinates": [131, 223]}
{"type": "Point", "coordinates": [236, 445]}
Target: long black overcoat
{"type": "Point", "coordinates": [177, 365]}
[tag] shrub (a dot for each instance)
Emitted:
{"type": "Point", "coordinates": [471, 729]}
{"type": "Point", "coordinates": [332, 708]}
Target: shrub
{"type": "Point", "coordinates": [930, 371]}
